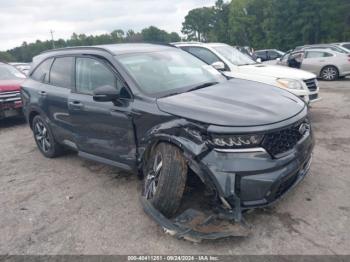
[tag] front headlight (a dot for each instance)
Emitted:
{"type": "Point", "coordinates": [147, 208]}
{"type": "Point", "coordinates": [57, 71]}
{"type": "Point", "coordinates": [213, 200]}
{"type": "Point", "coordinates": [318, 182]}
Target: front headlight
{"type": "Point", "coordinates": [236, 141]}
{"type": "Point", "coordinates": [289, 83]}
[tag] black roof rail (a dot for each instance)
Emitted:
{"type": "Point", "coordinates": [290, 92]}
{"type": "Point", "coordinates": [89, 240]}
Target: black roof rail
{"type": "Point", "coordinates": [77, 48]}
{"type": "Point", "coordinates": [101, 48]}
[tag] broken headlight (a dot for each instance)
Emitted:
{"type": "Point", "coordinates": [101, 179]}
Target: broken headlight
{"type": "Point", "coordinates": [236, 141]}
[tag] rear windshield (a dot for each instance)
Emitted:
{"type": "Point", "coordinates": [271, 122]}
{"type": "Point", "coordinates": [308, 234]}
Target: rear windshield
{"type": "Point", "coordinates": [8, 72]}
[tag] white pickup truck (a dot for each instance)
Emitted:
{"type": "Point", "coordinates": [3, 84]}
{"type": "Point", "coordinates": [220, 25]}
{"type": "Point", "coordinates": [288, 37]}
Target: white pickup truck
{"type": "Point", "coordinates": [235, 64]}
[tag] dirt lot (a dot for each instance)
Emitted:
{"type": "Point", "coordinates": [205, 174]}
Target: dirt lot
{"type": "Point", "coordinates": [72, 206]}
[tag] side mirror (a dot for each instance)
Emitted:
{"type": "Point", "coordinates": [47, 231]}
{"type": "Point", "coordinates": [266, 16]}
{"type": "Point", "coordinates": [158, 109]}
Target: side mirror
{"type": "Point", "coordinates": [105, 94]}
{"type": "Point", "coordinates": [278, 59]}
{"type": "Point", "coordinates": [218, 65]}
{"type": "Point", "coordinates": [258, 60]}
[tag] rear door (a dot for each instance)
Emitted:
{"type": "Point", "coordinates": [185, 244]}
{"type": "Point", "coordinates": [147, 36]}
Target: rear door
{"type": "Point", "coordinates": [314, 61]}
{"type": "Point", "coordinates": [56, 91]}
{"type": "Point", "coordinates": [103, 130]}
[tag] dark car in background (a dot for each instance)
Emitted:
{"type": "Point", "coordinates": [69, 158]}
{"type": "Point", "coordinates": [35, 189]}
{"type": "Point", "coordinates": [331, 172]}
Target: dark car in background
{"type": "Point", "coordinates": [268, 54]}
{"type": "Point", "coordinates": [160, 112]}
{"type": "Point", "coordinates": [10, 97]}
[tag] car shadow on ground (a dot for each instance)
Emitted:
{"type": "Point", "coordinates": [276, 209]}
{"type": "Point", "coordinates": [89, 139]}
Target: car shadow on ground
{"type": "Point", "coordinates": [12, 122]}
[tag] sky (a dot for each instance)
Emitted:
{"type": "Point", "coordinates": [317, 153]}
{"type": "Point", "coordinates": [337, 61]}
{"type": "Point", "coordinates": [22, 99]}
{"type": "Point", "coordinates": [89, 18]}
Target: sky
{"type": "Point", "coordinates": [29, 20]}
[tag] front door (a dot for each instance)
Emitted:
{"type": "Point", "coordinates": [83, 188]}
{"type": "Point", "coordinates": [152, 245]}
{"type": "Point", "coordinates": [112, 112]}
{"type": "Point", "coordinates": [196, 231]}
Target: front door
{"type": "Point", "coordinates": [102, 129]}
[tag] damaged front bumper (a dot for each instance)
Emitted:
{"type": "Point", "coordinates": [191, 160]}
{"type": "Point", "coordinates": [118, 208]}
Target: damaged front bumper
{"type": "Point", "coordinates": [241, 179]}
{"type": "Point", "coordinates": [255, 179]}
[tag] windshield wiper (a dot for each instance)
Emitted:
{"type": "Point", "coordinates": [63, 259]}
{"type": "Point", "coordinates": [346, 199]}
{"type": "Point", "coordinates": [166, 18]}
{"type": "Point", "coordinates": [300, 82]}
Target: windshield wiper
{"type": "Point", "coordinates": [206, 84]}
{"type": "Point", "coordinates": [202, 86]}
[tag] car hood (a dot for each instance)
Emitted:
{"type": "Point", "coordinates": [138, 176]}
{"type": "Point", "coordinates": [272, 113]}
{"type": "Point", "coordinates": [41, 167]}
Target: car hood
{"type": "Point", "coordinates": [234, 103]}
{"type": "Point", "coordinates": [276, 71]}
{"type": "Point", "coordinates": [10, 85]}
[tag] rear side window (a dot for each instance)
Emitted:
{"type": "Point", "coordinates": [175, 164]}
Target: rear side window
{"type": "Point", "coordinates": [316, 54]}
{"type": "Point", "coordinates": [62, 72]}
{"type": "Point", "coordinates": [91, 73]}
{"type": "Point", "coordinates": [204, 54]}
{"type": "Point", "coordinates": [41, 73]}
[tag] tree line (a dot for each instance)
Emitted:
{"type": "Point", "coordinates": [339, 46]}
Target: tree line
{"type": "Point", "coordinates": [26, 52]}
{"type": "Point", "coordinates": [282, 24]}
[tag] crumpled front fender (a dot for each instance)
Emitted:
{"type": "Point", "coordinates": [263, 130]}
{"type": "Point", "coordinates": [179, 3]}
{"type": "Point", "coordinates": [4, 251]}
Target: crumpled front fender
{"type": "Point", "coordinates": [188, 136]}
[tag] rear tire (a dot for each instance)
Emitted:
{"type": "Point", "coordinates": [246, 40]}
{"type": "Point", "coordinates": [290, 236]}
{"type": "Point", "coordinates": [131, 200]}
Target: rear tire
{"type": "Point", "coordinates": [44, 138]}
{"type": "Point", "coordinates": [329, 73]}
{"type": "Point", "coordinates": [165, 174]}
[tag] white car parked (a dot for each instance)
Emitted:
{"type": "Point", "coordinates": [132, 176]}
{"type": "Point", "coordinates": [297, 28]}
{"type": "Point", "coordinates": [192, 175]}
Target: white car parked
{"type": "Point", "coordinates": [235, 64]}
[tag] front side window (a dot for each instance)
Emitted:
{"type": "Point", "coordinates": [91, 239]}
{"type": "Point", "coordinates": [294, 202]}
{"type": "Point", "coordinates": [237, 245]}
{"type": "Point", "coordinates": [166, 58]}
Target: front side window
{"type": "Point", "coordinates": [234, 56]}
{"type": "Point", "coordinates": [262, 55]}
{"type": "Point", "coordinates": [62, 73]}
{"type": "Point", "coordinates": [273, 55]}
{"type": "Point", "coordinates": [41, 73]}
{"type": "Point", "coordinates": [203, 54]}
{"type": "Point", "coordinates": [167, 72]}
{"type": "Point", "coordinates": [91, 74]}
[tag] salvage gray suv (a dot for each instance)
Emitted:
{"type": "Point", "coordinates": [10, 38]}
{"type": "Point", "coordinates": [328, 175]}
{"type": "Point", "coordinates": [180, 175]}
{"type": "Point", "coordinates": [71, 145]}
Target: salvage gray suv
{"type": "Point", "coordinates": [162, 113]}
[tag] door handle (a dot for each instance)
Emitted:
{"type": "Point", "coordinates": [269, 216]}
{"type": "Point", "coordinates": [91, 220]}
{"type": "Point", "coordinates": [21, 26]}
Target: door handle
{"type": "Point", "coordinates": [75, 104]}
{"type": "Point", "coordinates": [42, 93]}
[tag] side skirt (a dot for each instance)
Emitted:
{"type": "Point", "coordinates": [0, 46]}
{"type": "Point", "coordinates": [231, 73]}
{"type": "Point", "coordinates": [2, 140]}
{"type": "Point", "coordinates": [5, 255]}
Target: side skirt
{"type": "Point", "coordinates": [105, 161]}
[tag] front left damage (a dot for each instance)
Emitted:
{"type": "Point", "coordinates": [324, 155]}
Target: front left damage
{"type": "Point", "coordinates": [204, 213]}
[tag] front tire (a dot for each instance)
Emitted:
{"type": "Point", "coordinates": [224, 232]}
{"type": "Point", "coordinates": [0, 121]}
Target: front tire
{"type": "Point", "coordinates": [165, 174]}
{"type": "Point", "coordinates": [329, 73]}
{"type": "Point", "coordinates": [44, 138]}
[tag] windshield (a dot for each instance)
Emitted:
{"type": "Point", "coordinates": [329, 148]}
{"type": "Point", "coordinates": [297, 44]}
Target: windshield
{"type": "Point", "coordinates": [168, 72]}
{"type": "Point", "coordinates": [8, 72]}
{"type": "Point", "coordinates": [234, 56]}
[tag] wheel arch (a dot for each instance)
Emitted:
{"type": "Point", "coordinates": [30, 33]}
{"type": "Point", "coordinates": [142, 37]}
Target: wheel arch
{"type": "Point", "coordinates": [34, 111]}
{"type": "Point", "coordinates": [189, 154]}
{"type": "Point", "coordinates": [326, 66]}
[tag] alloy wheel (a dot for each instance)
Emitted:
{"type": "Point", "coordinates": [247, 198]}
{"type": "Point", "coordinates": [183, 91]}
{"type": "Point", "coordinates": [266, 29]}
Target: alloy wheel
{"type": "Point", "coordinates": [329, 73]}
{"type": "Point", "coordinates": [152, 177]}
{"type": "Point", "coordinates": [41, 136]}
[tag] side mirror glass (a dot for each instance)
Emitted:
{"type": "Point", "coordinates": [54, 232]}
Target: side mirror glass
{"type": "Point", "coordinates": [218, 65]}
{"type": "Point", "coordinates": [258, 60]}
{"type": "Point", "coordinates": [105, 94]}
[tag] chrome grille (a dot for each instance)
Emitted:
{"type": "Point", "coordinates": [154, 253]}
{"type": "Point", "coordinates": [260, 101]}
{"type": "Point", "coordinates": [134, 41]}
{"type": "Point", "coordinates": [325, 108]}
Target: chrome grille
{"type": "Point", "coordinates": [311, 84]}
{"type": "Point", "coordinates": [10, 96]}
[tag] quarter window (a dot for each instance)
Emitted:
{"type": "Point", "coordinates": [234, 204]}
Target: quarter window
{"type": "Point", "coordinates": [41, 73]}
{"type": "Point", "coordinates": [91, 74]}
{"type": "Point", "coordinates": [62, 73]}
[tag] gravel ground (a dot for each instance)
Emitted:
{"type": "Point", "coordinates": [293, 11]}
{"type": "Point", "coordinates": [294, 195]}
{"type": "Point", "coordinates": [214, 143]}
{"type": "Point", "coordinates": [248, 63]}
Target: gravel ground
{"type": "Point", "coordinates": [69, 205]}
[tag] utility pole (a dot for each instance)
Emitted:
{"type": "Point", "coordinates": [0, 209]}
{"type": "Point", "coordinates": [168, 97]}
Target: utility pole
{"type": "Point", "coordinates": [52, 41]}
